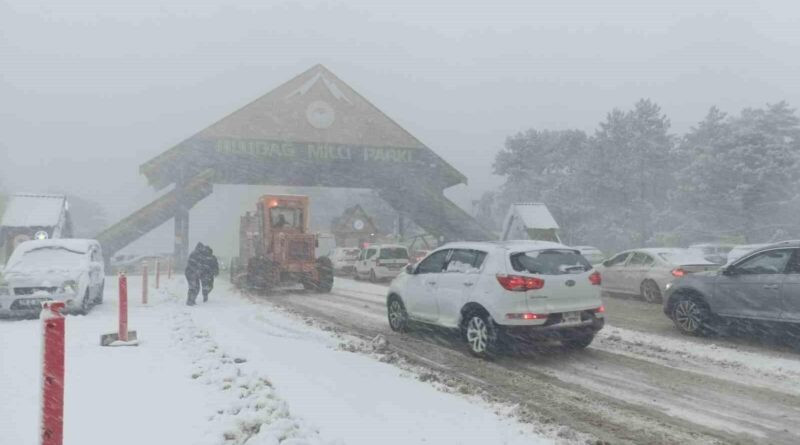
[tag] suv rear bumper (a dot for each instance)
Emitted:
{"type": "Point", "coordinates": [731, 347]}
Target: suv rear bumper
{"type": "Point", "coordinates": [553, 327]}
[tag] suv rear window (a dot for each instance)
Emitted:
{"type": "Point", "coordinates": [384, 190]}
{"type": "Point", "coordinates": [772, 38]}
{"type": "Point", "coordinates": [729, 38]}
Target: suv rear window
{"type": "Point", "coordinates": [393, 253]}
{"type": "Point", "coordinates": [550, 262]}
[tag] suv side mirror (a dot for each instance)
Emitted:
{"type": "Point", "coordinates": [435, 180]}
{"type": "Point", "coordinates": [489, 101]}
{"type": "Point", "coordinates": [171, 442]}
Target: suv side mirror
{"type": "Point", "coordinates": [410, 269]}
{"type": "Point", "coordinates": [728, 270]}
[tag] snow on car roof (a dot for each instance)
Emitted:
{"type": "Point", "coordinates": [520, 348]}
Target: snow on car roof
{"type": "Point", "coordinates": [78, 245]}
{"type": "Point", "coordinates": [34, 211]}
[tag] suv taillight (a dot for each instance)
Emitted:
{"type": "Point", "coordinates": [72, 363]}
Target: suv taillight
{"type": "Point", "coordinates": [519, 283]}
{"type": "Point", "coordinates": [678, 272]}
{"type": "Point", "coordinates": [595, 278]}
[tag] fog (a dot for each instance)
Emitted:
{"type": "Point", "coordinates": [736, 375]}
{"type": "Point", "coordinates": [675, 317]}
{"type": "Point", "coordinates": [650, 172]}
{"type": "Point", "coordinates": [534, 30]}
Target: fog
{"type": "Point", "coordinates": [91, 90]}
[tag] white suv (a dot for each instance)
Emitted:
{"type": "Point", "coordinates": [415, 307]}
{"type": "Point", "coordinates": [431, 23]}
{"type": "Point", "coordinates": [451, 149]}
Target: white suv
{"type": "Point", "coordinates": [495, 293]}
{"type": "Point", "coordinates": [381, 261]}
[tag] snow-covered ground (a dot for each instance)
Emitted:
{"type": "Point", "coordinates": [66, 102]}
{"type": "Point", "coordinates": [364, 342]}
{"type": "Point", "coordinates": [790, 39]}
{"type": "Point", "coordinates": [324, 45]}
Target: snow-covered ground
{"type": "Point", "coordinates": [231, 372]}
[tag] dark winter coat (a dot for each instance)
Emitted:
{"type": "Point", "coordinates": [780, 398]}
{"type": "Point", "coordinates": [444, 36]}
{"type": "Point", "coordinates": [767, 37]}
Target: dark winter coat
{"type": "Point", "coordinates": [210, 263]}
{"type": "Point", "coordinates": [202, 263]}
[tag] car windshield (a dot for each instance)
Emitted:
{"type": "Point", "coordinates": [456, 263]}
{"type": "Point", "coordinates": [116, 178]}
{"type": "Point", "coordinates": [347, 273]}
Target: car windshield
{"type": "Point", "coordinates": [393, 253]}
{"type": "Point", "coordinates": [550, 262]}
{"type": "Point", "coordinates": [58, 257]}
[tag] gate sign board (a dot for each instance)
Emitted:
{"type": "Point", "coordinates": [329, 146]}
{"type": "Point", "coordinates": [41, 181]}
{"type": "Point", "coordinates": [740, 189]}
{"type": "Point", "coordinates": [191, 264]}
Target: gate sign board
{"type": "Point", "coordinates": [313, 131]}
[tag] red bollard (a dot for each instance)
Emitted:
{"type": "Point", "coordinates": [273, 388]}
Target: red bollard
{"type": "Point", "coordinates": [144, 283]}
{"type": "Point", "coordinates": [52, 426]}
{"type": "Point", "coordinates": [122, 332]}
{"type": "Point", "coordinates": [158, 274]}
{"type": "Point", "coordinates": [123, 337]}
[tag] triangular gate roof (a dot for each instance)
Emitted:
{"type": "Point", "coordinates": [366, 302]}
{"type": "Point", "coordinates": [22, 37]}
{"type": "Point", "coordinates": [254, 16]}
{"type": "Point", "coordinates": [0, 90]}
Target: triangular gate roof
{"type": "Point", "coordinates": [313, 118]}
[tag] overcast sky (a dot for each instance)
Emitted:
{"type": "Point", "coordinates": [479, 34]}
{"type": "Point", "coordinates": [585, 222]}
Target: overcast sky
{"type": "Point", "coordinates": [103, 86]}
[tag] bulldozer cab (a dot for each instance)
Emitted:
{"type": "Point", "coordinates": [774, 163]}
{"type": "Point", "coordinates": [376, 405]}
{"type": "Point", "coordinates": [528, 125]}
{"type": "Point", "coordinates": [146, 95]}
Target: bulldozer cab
{"type": "Point", "coordinates": [284, 213]}
{"type": "Point", "coordinates": [284, 218]}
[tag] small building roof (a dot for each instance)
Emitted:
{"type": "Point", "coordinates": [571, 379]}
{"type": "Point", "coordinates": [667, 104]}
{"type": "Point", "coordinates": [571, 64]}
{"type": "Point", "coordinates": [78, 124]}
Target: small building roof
{"type": "Point", "coordinates": [34, 210]}
{"type": "Point", "coordinates": [534, 215]}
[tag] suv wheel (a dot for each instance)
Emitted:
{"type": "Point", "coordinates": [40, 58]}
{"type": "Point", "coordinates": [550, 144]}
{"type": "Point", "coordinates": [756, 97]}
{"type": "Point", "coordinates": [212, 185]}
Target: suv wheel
{"type": "Point", "coordinates": [480, 334]}
{"type": "Point", "coordinates": [650, 291]}
{"type": "Point", "coordinates": [372, 277]}
{"type": "Point", "coordinates": [691, 316]}
{"type": "Point", "coordinates": [398, 318]}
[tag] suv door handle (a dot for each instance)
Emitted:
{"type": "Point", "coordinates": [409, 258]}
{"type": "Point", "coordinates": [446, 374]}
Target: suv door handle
{"type": "Point", "coordinates": [468, 283]}
{"type": "Point", "coordinates": [430, 282]}
{"type": "Point", "coordinates": [770, 286]}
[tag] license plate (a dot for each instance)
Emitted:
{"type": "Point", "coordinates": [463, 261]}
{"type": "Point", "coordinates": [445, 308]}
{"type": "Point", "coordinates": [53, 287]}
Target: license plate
{"type": "Point", "coordinates": [30, 303]}
{"type": "Point", "coordinates": [571, 317]}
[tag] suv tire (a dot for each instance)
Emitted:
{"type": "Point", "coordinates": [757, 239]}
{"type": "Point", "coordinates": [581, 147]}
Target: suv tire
{"type": "Point", "coordinates": [480, 334]}
{"type": "Point", "coordinates": [372, 277]}
{"type": "Point", "coordinates": [398, 317]}
{"type": "Point", "coordinates": [691, 315]}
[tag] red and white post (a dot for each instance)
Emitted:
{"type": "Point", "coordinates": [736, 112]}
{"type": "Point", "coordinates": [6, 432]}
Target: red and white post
{"type": "Point", "coordinates": [122, 332]}
{"type": "Point", "coordinates": [158, 274]}
{"type": "Point", "coordinates": [144, 283]}
{"type": "Point", "coordinates": [123, 337]}
{"type": "Point", "coordinates": [52, 426]}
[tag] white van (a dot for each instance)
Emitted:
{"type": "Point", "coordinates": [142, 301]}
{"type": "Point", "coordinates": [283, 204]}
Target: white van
{"type": "Point", "coordinates": [381, 261]}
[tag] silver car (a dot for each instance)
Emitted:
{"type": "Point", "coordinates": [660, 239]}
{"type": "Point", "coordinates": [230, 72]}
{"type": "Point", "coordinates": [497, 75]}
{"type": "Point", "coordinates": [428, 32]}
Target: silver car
{"type": "Point", "coordinates": [763, 285]}
{"type": "Point", "coordinates": [647, 272]}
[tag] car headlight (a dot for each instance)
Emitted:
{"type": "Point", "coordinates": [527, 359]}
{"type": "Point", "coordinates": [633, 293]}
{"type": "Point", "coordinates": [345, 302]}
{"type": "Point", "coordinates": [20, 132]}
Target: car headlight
{"type": "Point", "coordinates": [69, 287]}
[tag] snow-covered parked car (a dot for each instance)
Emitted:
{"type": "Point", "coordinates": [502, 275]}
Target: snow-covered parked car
{"type": "Point", "coordinates": [68, 270]}
{"type": "Point", "coordinates": [497, 293]}
{"type": "Point", "coordinates": [646, 272]}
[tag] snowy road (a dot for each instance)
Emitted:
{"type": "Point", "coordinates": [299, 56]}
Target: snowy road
{"type": "Point", "coordinates": [299, 368]}
{"type": "Point", "coordinates": [629, 387]}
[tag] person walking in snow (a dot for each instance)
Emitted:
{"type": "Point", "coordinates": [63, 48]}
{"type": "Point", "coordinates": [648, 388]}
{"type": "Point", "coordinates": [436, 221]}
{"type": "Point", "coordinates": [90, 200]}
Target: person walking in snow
{"type": "Point", "coordinates": [201, 268]}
